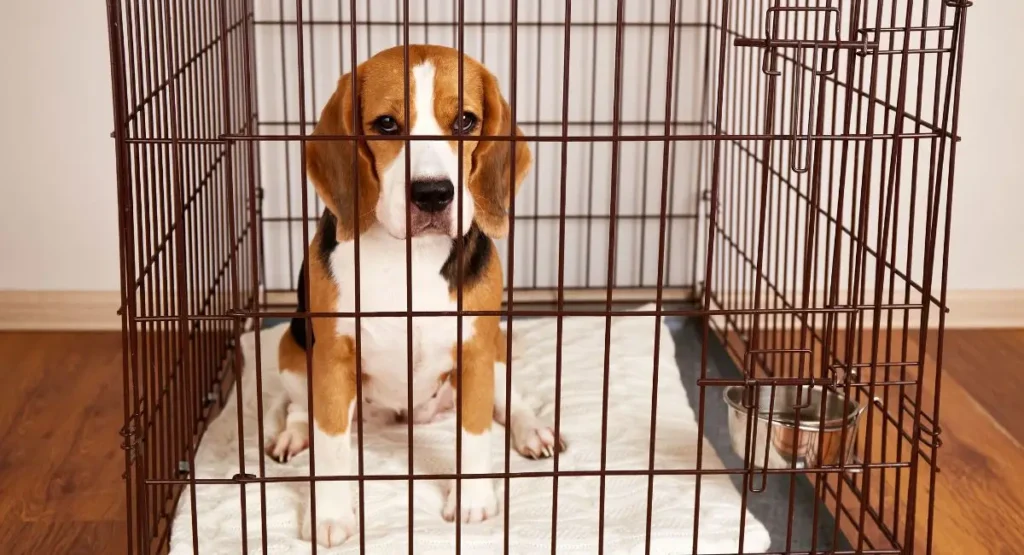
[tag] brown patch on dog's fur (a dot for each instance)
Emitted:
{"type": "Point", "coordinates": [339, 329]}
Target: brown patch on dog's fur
{"type": "Point", "coordinates": [491, 179]}
{"type": "Point", "coordinates": [334, 370]}
{"type": "Point", "coordinates": [334, 382]}
{"type": "Point", "coordinates": [501, 347]}
{"type": "Point", "coordinates": [290, 356]}
{"type": "Point", "coordinates": [323, 297]}
{"type": "Point", "coordinates": [476, 392]}
{"type": "Point", "coordinates": [336, 166]}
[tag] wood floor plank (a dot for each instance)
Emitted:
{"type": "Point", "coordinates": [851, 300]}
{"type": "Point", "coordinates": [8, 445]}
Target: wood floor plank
{"type": "Point", "coordinates": [979, 491]}
{"type": "Point", "coordinates": [989, 365]}
{"type": "Point", "coordinates": [64, 538]}
{"type": "Point", "coordinates": [60, 455]}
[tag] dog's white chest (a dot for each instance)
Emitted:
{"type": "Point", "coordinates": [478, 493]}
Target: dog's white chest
{"type": "Point", "coordinates": [384, 339]}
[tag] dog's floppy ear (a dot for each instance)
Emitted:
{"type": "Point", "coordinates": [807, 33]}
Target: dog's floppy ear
{"type": "Point", "coordinates": [492, 172]}
{"type": "Point", "coordinates": [334, 166]}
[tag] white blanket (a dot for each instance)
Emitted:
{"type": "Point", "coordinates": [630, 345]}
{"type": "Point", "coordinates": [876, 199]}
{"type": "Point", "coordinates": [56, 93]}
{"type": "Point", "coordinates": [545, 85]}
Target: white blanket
{"type": "Point", "coordinates": [530, 510]}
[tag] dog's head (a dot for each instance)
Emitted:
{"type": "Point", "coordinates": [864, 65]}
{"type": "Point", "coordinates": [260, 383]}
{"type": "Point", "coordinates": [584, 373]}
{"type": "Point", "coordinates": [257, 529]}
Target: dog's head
{"type": "Point", "coordinates": [372, 99]}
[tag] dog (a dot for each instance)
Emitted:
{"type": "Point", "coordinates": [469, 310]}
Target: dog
{"type": "Point", "coordinates": [373, 98]}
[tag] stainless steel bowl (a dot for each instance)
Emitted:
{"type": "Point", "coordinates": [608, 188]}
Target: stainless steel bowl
{"type": "Point", "coordinates": [784, 439]}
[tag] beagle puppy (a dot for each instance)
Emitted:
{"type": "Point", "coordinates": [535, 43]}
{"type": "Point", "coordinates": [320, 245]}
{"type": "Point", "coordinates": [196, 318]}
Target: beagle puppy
{"type": "Point", "coordinates": [378, 169]}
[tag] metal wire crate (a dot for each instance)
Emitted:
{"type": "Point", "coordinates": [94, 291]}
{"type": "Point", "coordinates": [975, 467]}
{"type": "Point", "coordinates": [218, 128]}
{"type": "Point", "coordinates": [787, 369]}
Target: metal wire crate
{"type": "Point", "coordinates": [778, 170]}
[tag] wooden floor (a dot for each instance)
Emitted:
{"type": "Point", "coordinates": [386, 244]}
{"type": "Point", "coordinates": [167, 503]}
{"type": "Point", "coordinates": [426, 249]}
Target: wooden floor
{"type": "Point", "coordinates": [60, 459]}
{"type": "Point", "coordinates": [60, 456]}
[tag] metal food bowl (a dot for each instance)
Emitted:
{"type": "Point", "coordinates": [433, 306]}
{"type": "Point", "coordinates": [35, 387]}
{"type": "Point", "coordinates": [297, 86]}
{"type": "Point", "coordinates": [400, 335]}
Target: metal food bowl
{"type": "Point", "coordinates": [783, 438]}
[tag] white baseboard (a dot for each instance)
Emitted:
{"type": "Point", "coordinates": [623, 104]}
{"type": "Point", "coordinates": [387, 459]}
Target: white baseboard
{"type": "Point", "coordinates": [985, 309]}
{"type": "Point", "coordinates": [97, 310]}
{"type": "Point", "coordinates": [60, 310]}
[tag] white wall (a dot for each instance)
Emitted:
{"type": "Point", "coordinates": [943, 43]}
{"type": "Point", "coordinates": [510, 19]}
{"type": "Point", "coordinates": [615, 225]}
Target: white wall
{"type": "Point", "coordinates": [540, 72]}
{"type": "Point", "coordinates": [58, 217]}
{"type": "Point", "coordinates": [987, 245]}
{"type": "Point", "coordinates": [58, 213]}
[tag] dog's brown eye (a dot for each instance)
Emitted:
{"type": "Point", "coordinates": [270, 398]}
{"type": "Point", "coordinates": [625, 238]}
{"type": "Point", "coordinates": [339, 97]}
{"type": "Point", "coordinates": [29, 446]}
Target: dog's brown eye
{"type": "Point", "coordinates": [465, 124]}
{"type": "Point", "coordinates": [386, 125]}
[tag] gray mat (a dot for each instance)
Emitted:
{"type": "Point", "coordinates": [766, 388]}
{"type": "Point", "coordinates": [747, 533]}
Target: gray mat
{"type": "Point", "coordinates": [770, 506]}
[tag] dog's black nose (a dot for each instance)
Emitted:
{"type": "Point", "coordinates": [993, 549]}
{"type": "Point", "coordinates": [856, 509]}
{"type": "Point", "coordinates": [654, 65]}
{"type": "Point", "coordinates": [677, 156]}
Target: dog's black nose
{"type": "Point", "coordinates": [433, 195]}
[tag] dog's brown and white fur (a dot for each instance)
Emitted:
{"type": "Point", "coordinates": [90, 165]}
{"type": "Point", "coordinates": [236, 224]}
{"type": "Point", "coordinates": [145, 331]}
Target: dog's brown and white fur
{"type": "Point", "coordinates": [336, 168]}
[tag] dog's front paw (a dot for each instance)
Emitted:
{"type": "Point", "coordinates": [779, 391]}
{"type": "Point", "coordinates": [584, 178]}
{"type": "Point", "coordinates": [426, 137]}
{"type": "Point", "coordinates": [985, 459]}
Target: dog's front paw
{"type": "Point", "coordinates": [478, 502]}
{"type": "Point", "coordinates": [436, 408]}
{"type": "Point", "coordinates": [293, 440]}
{"type": "Point", "coordinates": [535, 440]}
{"type": "Point", "coordinates": [334, 524]}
